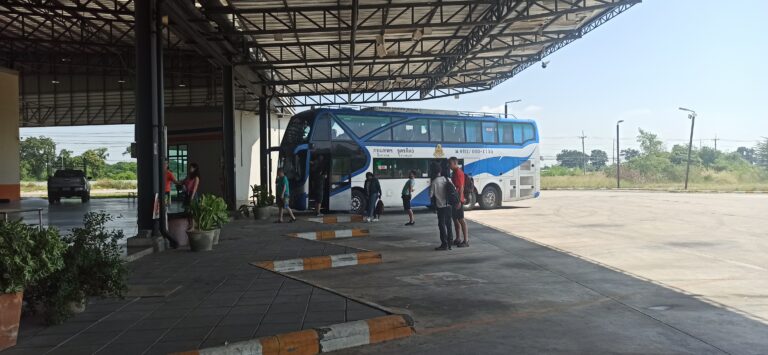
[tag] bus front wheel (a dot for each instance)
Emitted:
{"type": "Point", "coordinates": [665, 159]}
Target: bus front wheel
{"type": "Point", "coordinates": [489, 198]}
{"type": "Point", "coordinates": [359, 202]}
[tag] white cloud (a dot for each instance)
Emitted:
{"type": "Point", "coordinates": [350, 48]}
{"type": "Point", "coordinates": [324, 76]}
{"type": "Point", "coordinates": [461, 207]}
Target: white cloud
{"type": "Point", "coordinates": [532, 108]}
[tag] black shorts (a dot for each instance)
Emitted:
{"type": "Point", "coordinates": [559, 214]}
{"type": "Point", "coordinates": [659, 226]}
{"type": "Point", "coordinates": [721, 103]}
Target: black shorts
{"type": "Point", "coordinates": [457, 213]}
{"type": "Point", "coordinates": [406, 203]}
{"type": "Point", "coordinates": [281, 202]}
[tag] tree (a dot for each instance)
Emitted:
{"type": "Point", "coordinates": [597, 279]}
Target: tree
{"type": "Point", "coordinates": [598, 158]}
{"type": "Point", "coordinates": [630, 153]}
{"type": "Point", "coordinates": [747, 154]}
{"type": "Point", "coordinates": [37, 153]}
{"type": "Point", "coordinates": [761, 153]}
{"type": "Point", "coordinates": [94, 161]}
{"type": "Point", "coordinates": [679, 155]}
{"type": "Point", "coordinates": [571, 158]}
{"type": "Point", "coordinates": [65, 158]}
{"type": "Point", "coordinates": [650, 143]}
{"type": "Point", "coordinates": [708, 156]}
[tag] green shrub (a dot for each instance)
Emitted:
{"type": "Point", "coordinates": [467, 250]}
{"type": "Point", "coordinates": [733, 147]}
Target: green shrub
{"type": "Point", "coordinates": [209, 212]}
{"type": "Point", "coordinates": [93, 267]}
{"type": "Point", "coordinates": [27, 254]}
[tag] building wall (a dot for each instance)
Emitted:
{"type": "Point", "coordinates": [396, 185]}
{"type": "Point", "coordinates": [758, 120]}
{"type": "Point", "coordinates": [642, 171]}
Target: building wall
{"type": "Point", "coordinates": [200, 130]}
{"type": "Point", "coordinates": [248, 161]}
{"type": "Point", "coordinates": [10, 173]}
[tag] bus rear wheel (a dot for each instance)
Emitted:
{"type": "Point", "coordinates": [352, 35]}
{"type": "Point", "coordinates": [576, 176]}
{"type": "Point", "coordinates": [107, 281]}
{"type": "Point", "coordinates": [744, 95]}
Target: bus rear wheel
{"type": "Point", "coordinates": [489, 198]}
{"type": "Point", "coordinates": [359, 202]}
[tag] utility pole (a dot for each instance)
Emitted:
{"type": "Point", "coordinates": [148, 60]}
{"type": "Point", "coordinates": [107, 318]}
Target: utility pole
{"type": "Point", "coordinates": [613, 153]}
{"type": "Point", "coordinates": [692, 117]}
{"type": "Point", "coordinates": [716, 139]}
{"type": "Point", "coordinates": [618, 156]}
{"type": "Point", "coordinates": [583, 153]}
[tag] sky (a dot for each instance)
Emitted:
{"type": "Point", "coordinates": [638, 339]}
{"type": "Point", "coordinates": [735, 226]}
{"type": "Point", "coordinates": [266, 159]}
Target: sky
{"type": "Point", "coordinates": [639, 67]}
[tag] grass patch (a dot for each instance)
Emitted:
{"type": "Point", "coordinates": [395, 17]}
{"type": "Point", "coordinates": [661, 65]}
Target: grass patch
{"type": "Point", "coordinates": [721, 182]}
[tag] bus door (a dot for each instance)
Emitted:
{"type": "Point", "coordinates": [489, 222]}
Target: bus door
{"type": "Point", "coordinates": [340, 194]}
{"type": "Point", "coordinates": [298, 173]}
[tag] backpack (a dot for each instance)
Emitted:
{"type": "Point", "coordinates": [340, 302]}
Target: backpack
{"type": "Point", "coordinates": [451, 195]}
{"type": "Point", "coordinates": [469, 186]}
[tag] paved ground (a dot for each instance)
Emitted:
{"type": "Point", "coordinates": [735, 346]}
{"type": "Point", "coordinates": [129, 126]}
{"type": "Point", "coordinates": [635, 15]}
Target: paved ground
{"type": "Point", "coordinates": [219, 297]}
{"type": "Point", "coordinates": [711, 245]}
{"type": "Point", "coordinates": [572, 272]}
{"type": "Point", "coordinates": [506, 294]}
{"type": "Point", "coordinates": [70, 212]}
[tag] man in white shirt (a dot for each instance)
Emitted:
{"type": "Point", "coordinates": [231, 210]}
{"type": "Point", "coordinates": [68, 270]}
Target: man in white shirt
{"type": "Point", "coordinates": [444, 224]}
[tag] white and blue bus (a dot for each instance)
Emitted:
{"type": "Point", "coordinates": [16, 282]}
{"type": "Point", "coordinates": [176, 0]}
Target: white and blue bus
{"type": "Point", "coordinates": [500, 154]}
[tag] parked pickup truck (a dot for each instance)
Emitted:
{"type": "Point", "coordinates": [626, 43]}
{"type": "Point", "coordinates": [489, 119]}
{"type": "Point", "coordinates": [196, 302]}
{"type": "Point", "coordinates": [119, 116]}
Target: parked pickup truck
{"type": "Point", "coordinates": [68, 183]}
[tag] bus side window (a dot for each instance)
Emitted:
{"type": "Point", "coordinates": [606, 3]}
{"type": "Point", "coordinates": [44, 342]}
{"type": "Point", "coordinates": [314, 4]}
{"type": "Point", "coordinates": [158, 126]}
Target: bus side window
{"type": "Point", "coordinates": [337, 132]}
{"type": "Point", "coordinates": [453, 131]}
{"type": "Point", "coordinates": [505, 133]}
{"type": "Point", "coordinates": [435, 131]}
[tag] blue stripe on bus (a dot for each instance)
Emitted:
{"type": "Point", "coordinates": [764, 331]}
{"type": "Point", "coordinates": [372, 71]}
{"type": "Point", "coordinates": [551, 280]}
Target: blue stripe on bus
{"type": "Point", "coordinates": [495, 166]}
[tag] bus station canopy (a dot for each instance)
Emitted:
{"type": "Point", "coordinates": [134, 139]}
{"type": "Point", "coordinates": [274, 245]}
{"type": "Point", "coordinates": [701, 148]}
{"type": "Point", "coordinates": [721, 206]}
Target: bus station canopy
{"type": "Point", "coordinates": [76, 57]}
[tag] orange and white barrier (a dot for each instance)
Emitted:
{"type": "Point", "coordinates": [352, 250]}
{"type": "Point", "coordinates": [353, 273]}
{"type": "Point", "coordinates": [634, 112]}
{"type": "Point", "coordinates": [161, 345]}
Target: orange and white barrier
{"type": "Point", "coordinates": [334, 234]}
{"type": "Point", "coordinates": [319, 340]}
{"type": "Point", "coordinates": [321, 262]}
{"type": "Point", "coordinates": [337, 219]}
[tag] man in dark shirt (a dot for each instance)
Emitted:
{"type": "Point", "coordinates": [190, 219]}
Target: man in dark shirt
{"type": "Point", "coordinates": [319, 174]}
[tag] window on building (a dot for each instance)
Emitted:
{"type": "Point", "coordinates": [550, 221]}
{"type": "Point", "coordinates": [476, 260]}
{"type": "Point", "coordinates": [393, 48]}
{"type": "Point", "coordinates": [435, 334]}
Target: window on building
{"type": "Point", "coordinates": [474, 133]}
{"type": "Point", "coordinates": [453, 131]}
{"type": "Point", "coordinates": [362, 125]}
{"type": "Point", "coordinates": [177, 162]}
{"type": "Point", "coordinates": [489, 132]}
{"type": "Point", "coordinates": [399, 168]}
{"type": "Point", "coordinates": [411, 131]}
{"type": "Point", "coordinates": [435, 131]}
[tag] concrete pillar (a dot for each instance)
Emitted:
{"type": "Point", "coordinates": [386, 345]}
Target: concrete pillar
{"type": "Point", "coordinates": [228, 128]}
{"type": "Point", "coordinates": [146, 127]}
{"type": "Point", "coordinates": [263, 132]}
{"type": "Point", "coordinates": [10, 173]}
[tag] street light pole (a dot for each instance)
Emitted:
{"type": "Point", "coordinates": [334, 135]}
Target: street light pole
{"type": "Point", "coordinates": [505, 107]}
{"type": "Point", "coordinates": [618, 156]}
{"type": "Point", "coordinates": [692, 117]}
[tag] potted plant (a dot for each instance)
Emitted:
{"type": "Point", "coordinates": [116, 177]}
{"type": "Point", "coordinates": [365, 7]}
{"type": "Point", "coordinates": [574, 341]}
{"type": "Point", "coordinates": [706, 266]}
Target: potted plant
{"type": "Point", "coordinates": [93, 267]}
{"type": "Point", "coordinates": [220, 216]}
{"type": "Point", "coordinates": [263, 199]}
{"type": "Point", "coordinates": [203, 223]}
{"type": "Point", "coordinates": [27, 254]}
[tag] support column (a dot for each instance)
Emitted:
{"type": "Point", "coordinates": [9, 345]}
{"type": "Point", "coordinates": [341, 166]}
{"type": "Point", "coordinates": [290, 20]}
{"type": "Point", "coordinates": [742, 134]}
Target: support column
{"type": "Point", "coordinates": [146, 127]}
{"type": "Point", "coordinates": [229, 137]}
{"type": "Point", "coordinates": [10, 173]}
{"type": "Point", "coordinates": [263, 134]}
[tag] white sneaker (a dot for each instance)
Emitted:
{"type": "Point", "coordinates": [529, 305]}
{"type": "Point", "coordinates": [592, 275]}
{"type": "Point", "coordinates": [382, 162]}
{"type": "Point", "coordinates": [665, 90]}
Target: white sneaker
{"type": "Point", "coordinates": [375, 219]}
{"type": "Point", "coordinates": [320, 215]}
{"type": "Point", "coordinates": [367, 219]}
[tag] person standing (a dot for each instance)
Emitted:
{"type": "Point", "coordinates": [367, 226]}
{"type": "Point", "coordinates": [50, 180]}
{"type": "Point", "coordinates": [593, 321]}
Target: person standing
{"type": "Point", "coordinates": [283, 196]}
{"type": "Point", "coordinates": [191, 184]}
{"type": "Point", "coordinates": [458, 179]}
{"type": "Point", "coordinates": [408, 195]}
{"type": "Point", "coordinates": [169, 179]}
{"type": "Point", "coordinates": [373, 191]}
{"type": "Point", "coordinates": [438, 191]}
{"type": "Point", "coordinates": [319, 175]}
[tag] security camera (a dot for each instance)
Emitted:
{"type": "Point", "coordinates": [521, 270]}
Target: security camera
{"type": "Point", "coordinates": [544, 64]}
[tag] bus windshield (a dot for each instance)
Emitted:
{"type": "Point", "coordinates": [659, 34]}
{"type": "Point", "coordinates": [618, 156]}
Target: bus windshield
{"type": "Point", "coordinates": [299, 129]}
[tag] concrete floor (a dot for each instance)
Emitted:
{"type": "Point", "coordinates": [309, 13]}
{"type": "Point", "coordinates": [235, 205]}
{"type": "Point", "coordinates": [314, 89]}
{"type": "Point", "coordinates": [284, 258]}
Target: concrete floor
{"type": "Point", "coordinates": [711, 245]}
{"type": "Point", "coordinates": [573, 272]}
{"type": "Point", "coordinates": [661, 273]}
